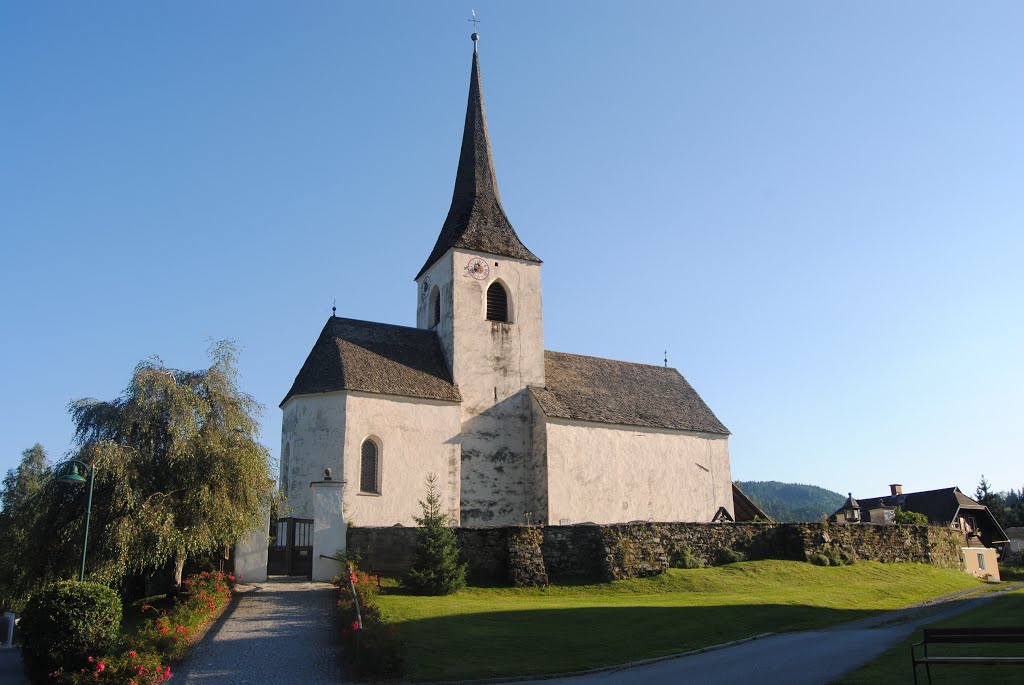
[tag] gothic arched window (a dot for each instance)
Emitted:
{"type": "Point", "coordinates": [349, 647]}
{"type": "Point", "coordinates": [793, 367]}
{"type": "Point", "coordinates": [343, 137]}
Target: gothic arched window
{"type": "Point", "coordinates": [369, 468]}
{"type": "Point", "coordinates": [435, 306]}
{"type": "Point", "coordinates": [497, 303]}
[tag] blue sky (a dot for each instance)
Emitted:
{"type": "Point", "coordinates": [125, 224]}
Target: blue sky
{"type": "Point", "coordinates": [816, 208]}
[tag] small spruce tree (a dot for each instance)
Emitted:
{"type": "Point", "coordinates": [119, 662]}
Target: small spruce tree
{"type": "Point", "coordinates": [436, 569]}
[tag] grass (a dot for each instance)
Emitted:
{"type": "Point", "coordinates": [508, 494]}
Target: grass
{"type": "Point", "coordinates": [490, 632]}
{"type": "Point", "coordinates": [895, 666]}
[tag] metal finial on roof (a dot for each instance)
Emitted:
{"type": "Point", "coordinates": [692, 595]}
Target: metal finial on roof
{"type": "Point", "coordinates": [334, 307]}
{"type": "Point", "coordinates": [666, 359]}
{"type": "Point", "coordinates": [476, 36]}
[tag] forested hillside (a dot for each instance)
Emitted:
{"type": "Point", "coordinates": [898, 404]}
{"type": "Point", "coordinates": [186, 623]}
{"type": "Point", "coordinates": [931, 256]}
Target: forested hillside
{"type": "Point", "coordinates": [792, 501]}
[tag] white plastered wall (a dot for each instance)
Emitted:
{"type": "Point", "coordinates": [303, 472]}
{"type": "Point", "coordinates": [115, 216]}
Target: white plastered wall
{"type": "Point", "coordinates": [492, 363]}
{"type": "Point", "coordinates": [607, 473]}
{"type": "Point", "coordinates": [313, 431]}
{"type": "Point", "coordinates": [415, 437]}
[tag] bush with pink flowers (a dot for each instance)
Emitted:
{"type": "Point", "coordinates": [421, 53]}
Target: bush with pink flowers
{"type": "Point", "coordinates": [372, 645]}
{"type": "Point", "coordinates": [142, 658]}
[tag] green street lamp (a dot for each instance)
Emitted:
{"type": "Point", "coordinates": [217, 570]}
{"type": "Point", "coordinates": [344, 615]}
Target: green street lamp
{"type": "Point", "coordinates": [74, 476]}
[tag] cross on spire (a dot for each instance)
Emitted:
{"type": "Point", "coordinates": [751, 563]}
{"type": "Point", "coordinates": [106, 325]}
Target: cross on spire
{"type": "Point", "coordinates": [474, 19]}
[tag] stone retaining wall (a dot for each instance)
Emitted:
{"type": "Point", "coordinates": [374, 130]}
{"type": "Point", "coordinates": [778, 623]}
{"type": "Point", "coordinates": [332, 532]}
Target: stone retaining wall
{"type": "Point", "coordinates": [530, 555]}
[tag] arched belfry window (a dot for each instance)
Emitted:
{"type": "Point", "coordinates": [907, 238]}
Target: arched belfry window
{"type": "Point", "coordinates": [497, 303]}
{"type": "Point", "coordinates": [369, 468]}
{"type": "Point", "coordinates": [435, 306]}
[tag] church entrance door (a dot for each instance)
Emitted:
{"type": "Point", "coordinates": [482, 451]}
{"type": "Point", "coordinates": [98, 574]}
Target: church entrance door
{"type": "Point", "coordinates": [291, 547]}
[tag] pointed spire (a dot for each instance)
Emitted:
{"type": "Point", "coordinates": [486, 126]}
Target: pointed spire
{"type": "Point", "coordinates": [476, 219]}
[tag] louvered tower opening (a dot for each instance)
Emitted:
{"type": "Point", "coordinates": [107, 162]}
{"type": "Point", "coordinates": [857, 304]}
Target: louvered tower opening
{"type": "Point", "coordinates": [497, 303]}
{"type": "Point", "coordinates": [435, 307]}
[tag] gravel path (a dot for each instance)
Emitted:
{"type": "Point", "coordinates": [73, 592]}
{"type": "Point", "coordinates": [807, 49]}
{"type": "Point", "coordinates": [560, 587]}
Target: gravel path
{"type": "Point", "coordinates": [279, 632]}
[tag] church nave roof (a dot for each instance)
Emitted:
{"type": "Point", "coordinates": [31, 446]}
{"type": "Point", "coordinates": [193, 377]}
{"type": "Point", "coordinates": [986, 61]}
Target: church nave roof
{"type": "Point", "coordinates": [611, 391]}
{"type": "Point", "coordinates": [375, 357]}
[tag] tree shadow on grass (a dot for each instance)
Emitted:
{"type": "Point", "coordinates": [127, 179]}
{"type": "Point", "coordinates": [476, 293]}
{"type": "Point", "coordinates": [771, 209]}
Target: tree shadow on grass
{"type": "Point", "coordinates": [540, 641]}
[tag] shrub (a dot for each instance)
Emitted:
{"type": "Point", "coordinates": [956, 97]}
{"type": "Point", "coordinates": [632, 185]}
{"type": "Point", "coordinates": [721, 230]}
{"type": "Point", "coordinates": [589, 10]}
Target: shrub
{"type": "Point", "coordinates": [142, 658]}
{"type": "Point", "coordinates": [436, 569]}
{"type": "Point", "coordinates": [728, 555]}
{"type": "Point", "coordinates": [909, 518]}
{"type": "Point", "coordinates": [832, 556]}
{"type": "Point", "coordinates": [372, 648]}
{"type": "Point", "coordinates": [66, 622]}
{"type": "Point", "coordinates": [818, 559]}
{"type": "Point", "coordinates": [682, 556]}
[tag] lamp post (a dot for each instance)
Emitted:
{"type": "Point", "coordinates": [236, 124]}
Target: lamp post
{"type": "Point", "coordinates": [73, 476]}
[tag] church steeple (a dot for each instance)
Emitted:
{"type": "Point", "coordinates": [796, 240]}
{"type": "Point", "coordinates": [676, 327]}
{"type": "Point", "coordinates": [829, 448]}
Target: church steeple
{"type": "Point", "coordinates": [476, 220]}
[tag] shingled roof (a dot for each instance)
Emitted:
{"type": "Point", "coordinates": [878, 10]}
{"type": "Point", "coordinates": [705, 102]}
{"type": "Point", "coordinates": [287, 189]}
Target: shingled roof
{"type": "Point", "coordinates": [610, 391]}
{"type": "Point", "coordinates": [476, 220]}
{"type": "Point", "coordinates": [375, 357]}
{"type": "Point", "coordinates": [940, 506]}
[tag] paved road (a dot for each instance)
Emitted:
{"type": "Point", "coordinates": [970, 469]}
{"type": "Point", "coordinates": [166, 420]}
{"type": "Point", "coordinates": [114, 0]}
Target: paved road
{"type": "Point", "coordinates": [10, 667]}
{"type": "Point", "coordinates": [805, 658]}
{"type": "Point", "coordinates": [279, 633]}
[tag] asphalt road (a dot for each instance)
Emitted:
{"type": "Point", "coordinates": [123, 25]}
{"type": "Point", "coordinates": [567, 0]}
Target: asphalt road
{"type": "Point", "coordinates": [812, 657]}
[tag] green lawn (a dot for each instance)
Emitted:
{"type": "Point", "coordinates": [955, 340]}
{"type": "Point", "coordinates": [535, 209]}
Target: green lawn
{"type": "Point", "coordinates": [894, 665]}
{"type": "Point", "coordinates": [487, 632]}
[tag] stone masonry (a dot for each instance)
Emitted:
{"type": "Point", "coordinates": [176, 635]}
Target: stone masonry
{"type": "Point", "coordinates": [517, 554]}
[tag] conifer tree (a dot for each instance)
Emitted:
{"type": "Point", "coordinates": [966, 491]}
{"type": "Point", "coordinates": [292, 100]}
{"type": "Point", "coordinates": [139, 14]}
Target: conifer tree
{"type": "Point", "coordinates": [436, 568]}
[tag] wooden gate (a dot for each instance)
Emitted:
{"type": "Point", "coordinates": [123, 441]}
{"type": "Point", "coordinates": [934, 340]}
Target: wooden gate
{"type": "Point", "coordinates": [291, 547]}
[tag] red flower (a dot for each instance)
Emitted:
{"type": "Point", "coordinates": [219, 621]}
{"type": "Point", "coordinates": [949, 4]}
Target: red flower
{"type": "Point", "coordinates": [132, 654]}
{"type": "Point", "coordinates": [90, 660]}
{"type": "Point", "coordinates": [355, 625]}
{"type": "Point", "coordinates": [100, 666]}
{"type": "Point", "coordinates": [167, 671]}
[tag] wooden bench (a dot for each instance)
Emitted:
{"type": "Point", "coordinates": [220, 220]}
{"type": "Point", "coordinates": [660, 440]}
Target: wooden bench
{"type": "Point", "coordinates": [964, 636]}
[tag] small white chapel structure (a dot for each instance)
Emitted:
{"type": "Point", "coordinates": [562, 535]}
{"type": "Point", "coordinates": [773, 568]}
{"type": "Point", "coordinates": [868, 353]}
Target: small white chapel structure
{"type": "Point", "coordinates": [514, 433]}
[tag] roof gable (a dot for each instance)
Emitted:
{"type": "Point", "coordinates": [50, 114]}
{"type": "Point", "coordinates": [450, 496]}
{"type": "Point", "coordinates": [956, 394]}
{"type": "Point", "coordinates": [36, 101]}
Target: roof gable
{"type": "Point", "coordinates": [378, 358]}
{"type": "Point", "coordinates": [611, 391]}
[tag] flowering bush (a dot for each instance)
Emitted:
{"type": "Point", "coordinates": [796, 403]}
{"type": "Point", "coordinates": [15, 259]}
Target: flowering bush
{"type": "Point", "coordinates": [163, 636]}
{"type": "Point", "coordinates": [372, 645]}
{"type": "Point", "coordinates": [65, 622]}
{"type": "Point", "coordinates": [124, 668]}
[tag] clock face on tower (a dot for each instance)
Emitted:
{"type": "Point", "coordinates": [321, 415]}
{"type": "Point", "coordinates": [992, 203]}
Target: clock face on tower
{"type": "Point", "coordinates": [477, 268]}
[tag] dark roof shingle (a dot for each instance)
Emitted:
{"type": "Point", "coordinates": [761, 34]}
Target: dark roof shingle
{"type": "Point", "coordinates": [610, 391]}
{"type": "Point", "coordinates": [375, 357]}
{"type": "Point", "coordinates": [476, 219]}
{"type": "Point", "coordinates": [745, 508]}
{"type": "Point", "coordinates": [938, 505]}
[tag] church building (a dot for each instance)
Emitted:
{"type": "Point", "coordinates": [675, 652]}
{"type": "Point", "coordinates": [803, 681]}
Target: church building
{"type": "Point", "coordinates": [513, 433]}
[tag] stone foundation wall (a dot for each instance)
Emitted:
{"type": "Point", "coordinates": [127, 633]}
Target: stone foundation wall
{"type": "Point", "coordinates": [609, 552]}
{"type": "Point", "coordinates": [525, 559]}
{"type": "Point", "coordinates": [390, 550]}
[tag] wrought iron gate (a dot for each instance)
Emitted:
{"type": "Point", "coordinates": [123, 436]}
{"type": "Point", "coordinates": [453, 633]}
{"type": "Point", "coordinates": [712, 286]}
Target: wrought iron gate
{"type": "Point", "coordinates": [291, 547]}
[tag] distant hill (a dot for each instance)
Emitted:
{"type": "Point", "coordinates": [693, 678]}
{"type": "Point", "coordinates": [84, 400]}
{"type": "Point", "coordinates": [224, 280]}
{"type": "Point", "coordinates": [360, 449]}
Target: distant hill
{"type": "Point", "coordinates": [792, 501]}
